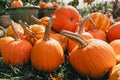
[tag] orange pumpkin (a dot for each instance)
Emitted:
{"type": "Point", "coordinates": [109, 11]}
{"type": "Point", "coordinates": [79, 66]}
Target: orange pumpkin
{"type": "Point", "coordinates": [66, 17]}
{"type": "Point", "coordinates": [42, 4]}
{"type": "Point", "coordinates": [92, 58]}
{"type": "Point", "coordinates": [114, 32]}
{"type": "Point", "coordinates": [116, 45]}
{"type": "Point", "coordinates": [17, 51]}
{"type": "Point", "coordinates": [17, 3]}
{"type": "Point", "coordinates": [4, 39]}
{"type": "Point", "coordinates": [33, 32]}
{"type": "Point", "coordinates": [101, 21]}
{"type": "Point", "coordinates": [55, 4]}
{"type": "Point", "coordinates": [47, 53]}
{"type": "Point", "coordinates": [43, 21]}
{"type": "Point", "coordinates": [17, 27]}
{"type": "Point", "coordinates": [114, 73]}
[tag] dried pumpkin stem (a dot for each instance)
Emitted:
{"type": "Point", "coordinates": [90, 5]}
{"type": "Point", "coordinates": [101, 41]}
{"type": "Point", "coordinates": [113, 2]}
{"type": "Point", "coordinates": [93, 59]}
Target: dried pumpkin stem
{"type": "Point", "coordinates": [14, 31]}
{"type": "Point", "coordinates": [4, 31]}
{"type": "Point", "coordinates": [48, 28]}
{"type": "Point", "coordinates": [82, 42]}
{"type": "Point", "coordinates": [81, 25]}
{"type": "Point", "coordinates": [38, 21]}
{"type": "Point", "coordinates": [24, 26]}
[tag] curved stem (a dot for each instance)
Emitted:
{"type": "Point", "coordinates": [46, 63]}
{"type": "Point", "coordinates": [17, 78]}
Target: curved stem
{"type": "Point", "coordinates": [38, 21]}
{"type": "Point", "coordinates": [94, 25]}
{"type": "Point", "coordinates": [24, 26]}
{"type": "Point", "coordinates": [82, 25]}
{"type": "Point", "coordinates": [82, 42]}
{"type": "Point", "coordinates": [14, 31]}
{"type": "Point", "coordinates": [48, 29]}
{"type": "Point", "coordinates": [4, 31]}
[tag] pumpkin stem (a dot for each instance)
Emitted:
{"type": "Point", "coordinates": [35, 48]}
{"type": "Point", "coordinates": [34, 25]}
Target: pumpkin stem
{"type": "Point", "coordinates": [4, 31]}
{"type": "Point", "coordinates": [94, 25]}
{"type": "Point", "coordinates": [14, 31]}
{"type": "Point", "coordinates": [48, 28]}
{"type": "Point", "coordinates": [81, 25]}
{"type": "Point", "coordinates": [24, 26]}
{"type": "Point", "coordinates": [38, 21]}
{"type": "Point", "coordinates": [82, 42]}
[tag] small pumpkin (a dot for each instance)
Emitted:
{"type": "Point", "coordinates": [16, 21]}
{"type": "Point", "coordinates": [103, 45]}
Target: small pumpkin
{"type": "Point", "coordinates": [33, 32]}
{"type": "Point", "coordinates": [17, 3]}
{"type": "Point", "coordinates": [114, 73]}
{"type": "Point", "coordinates": [43, 4]}
{"type": "Point", "coordinates": [18, 29]}
{"type": "Point", "coordinates": [47, 53]}
{"type": "Point", "coordinates": [4, 39]}
{"type": "Point", "coordinates": [92, 57]}
{"type": "Point", "coordinates": [66, 17]}
{"type": "Point", "coordinates": [101, 21]}
{"type": "Point", "coordinates": [17, 51]}
{"type": "Point", "coordinates": [113, 32]}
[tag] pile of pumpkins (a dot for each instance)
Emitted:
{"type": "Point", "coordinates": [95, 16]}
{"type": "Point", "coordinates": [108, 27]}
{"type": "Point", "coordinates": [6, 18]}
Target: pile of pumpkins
{"type": "Point", "coordinates": [92, 43]}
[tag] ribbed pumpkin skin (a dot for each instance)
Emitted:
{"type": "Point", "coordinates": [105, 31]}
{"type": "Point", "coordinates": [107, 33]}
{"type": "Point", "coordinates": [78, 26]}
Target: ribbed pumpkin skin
{"type": "Point", "coordinates": [47, 55]}
{"type": "Point", "coordinates": [116, 45]}
{"type": "Point", "coordinates": [94, 59]}
{"type": "Point", "coordinates": [114, 32]}
{"type": "Point", "coordinates": [16, 52]}
{"type": "Point", "coordinates": [102, 22]}
{"type": "Point", "coordinates": [4, 40]}
{"type": "Point", "coordinates": [67, 18]}
{"type": "Point", "coordinates": [114, 73]}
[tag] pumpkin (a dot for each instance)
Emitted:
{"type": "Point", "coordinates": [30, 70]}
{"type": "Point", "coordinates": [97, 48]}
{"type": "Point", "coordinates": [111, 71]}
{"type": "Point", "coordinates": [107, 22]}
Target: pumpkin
{"type": "Point", "coordinates": [33, 32]}
{"type": "Point", "coordinates": [54, 4]}
{"type": "Point", "coordinates": [43, 21]}
{"type": "Point", "coordinates": [116, 45]}
{"type": "Point", "coordinates": [85, 35]}
{"type": "Point", "coordinates": [101, 21]}
{"type": "Point", "coordinates": [114, 73]}
{"type": "Point", "coordinates": [18, 29]}
{"type": "Point", "coordinates": [92, 57]}
{"type": "Point", "coordinates": [113, 32]}
{"type": "Point", "coordinates": [4, 39]}
{"type": "Point", "coordinates": [17, 51]}
{"type": "Point", "coordinates": [47, 53]}
{"type": "Point", "coordinates": [42, 4]}
{"type": "Point", "coordinates": [17, 3]}
{"type": "Point", "coordinates": [66, 17]}
{"type": "Point", "coordinates": [97, 33]}
{"type": "Point", "coordinates": [63, 40]}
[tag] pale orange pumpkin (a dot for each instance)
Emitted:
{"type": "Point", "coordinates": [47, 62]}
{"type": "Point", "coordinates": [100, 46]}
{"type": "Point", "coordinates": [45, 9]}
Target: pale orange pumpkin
{"type": "Point", "coordinates": [101, 21]}
{"type": "Point", "coordinates": [114, 73]}
{"type": "Point", "coordinates": [33, 32]}
{"type": "Point", "coordinates": [92, 58]}
{"type": "Point", "coordinates": [17, 3]}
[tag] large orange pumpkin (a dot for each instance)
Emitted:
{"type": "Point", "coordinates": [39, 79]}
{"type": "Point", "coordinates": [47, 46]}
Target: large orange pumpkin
{"type": "Point", "coordinates": [92, 58]}
{"type": "Point", "coordinates": [17, 3]}
{"type": "Point", "coordinates": [47, 53]}
{"type": "Point", "coordinates": [114, 32]}
{"type": "Point", "coordinates": [67, 17]}
{"type": "Point", "coordinates": [101, 22]}
{"type": "Point", "coordinates": [16, 52]}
